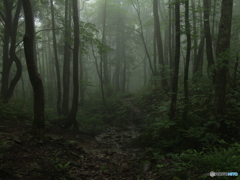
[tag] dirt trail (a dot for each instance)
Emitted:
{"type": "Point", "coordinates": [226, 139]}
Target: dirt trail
{"type": "Point", "coordinates": [65, 155]}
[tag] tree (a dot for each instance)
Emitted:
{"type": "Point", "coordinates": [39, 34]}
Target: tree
{"type": "Point", "coordinates": [35, 79]}
{"type": "Point", "coordinates": [223, 59]}
{"type": "Point", "coordinates": [207, 32]}
{"type": "Point", "coordinates": [159, 44]}
{"type": "Point", "coordinates": [59, 88]}
{"type": "Point", "coordinates": [176, 63]}
{"type": "Point", "coordinates": [188, 52]}
{"type": "Point", "coordinates": [73, 113]}
{"type": "Point", "coordinates": [66, 63]}
{"type": "Point", "coordinates": [9, 54]}
{"type": "Point", "coordinates": [137, 8]}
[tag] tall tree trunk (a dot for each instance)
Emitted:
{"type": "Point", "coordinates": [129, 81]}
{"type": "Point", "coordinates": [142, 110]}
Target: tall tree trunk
{"type": "Point", "coordinates": [66, 63]}
{"type": "Point", "coordinates": [73, 114]}
{"type": "Point", "coordinates": [176, 63]}
{"type": "Point", "coordinates": [124, 70]}
{"type": "Point", "coordinates": [103, 64]}
{"type": "Point", "coordinates": [195, 40]}
{"type": "Point", "coordinates": [188, 53]}
{"type": "Point", "coordinates": [223, 59]}
{"type": "Point", "coordinates": [154, 52]}
{"type": "Point", "coordinates": [59, 88]}
{"type": "Point", "coordinates": [207, 32]}
{"type": "Point", "coordinates": [82, 85]}
{"type": "Point", "coordinates": [197, 66]}
{"type": "Point", "coordinates": [7, 63]}
{"type": "Point", "coordinates": [38, 91]}
{"type": "Point", "coordinates": [170, 34]}
{"type": "Point", "coordinates": [137, 8]}
{"type": "Point", "coordinates": [104, 56]}
{"type": "Point", "coordinates": [235, 71]}
{"type": "Point", "coordinates": [159, 45]}
{"type": "Point", "coordinates": [13, 56]}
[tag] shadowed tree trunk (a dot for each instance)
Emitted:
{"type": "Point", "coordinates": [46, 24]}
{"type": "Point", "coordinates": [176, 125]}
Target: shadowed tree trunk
{"type": "Point", "coordinates": [9, 55]}
{"type": "Point", "coordinates": [66, 64]}
{"type": "Point", "coordinates": [159, 45]}
{"type": "Point", "coordinates": [188, 53]}
{"type": "Point", "coordinates": [59, 88]}
{"type": "Point", "coordinates": [38, 91]}
{"type": "Point", "coordinates": [195, 41]}
{"type": "Point", "coordinates": [13, 56]}
{"type": "Point", "coordinates": [176, 63]}
{"type": "Point", "coordinates": [73, 114]}
{"type": "Point", "coordinates": [6, 65]}
{"type": "Point", "coordinates": [223, 59]}
{"type": "Point", "coordinates": [207, 32]}
{"type": "Point", "coordinates": [197, 66]}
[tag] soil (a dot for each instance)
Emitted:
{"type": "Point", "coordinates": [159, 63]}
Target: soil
{"type": "Point", "coordinates": [65, 154]}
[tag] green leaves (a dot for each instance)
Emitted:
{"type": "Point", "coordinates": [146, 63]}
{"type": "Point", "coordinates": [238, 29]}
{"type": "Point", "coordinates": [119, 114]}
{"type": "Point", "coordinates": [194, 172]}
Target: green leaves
{"type": "Point", "coordinates": [89, 35]}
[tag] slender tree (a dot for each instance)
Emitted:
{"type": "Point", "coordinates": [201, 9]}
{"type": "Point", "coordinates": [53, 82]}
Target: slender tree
{"type": "Point", "coordinates": [159, 44]}
{"type": "Point", "coordinates": [9, 54]}
{"type": "Point", "coordinates": [66, 63]}
{"type": "Point", "coordinates": [73, 113]}
{"type": "Point", "coordinates": [188, 53]}
{"type": "Point", "coordinates": [59, 88]}
{"type": "Point", "coordinates": [35, 79]}
{"type": "Point", "coordinates": [176, 63]}
{"type": "Point", "coordinates": [223, 59]}
{"type": "Point", "coordinates": [208, 36]}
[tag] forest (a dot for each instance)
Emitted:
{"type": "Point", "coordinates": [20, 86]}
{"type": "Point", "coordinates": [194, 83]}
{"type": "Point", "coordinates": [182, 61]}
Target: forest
{"type": "Point", "coordinates": [119, 89]}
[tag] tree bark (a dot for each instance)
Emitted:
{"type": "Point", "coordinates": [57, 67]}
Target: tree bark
{"type": "Point", "coordinates": [66, 63]}
{"type": "Point", "coordinates": [176, 63]}
{"type": "Point", "coordinates": [13, 57]}
{"type": "Point", "coordinates": [207, 32]}
{"type": "Point", "coordinates": [188, 53]}
{"type": "Point", "coordinates": [159, 45]}
{"type": "Point", "coordinates": [223, 59]}
{"type": "Point", "coordinates": [73, 114]}
{"type": "Point", "coordinates": [195, 40]}
{"type": "Point", "coordinates": [7, 63]}
{"type": "Point", "coordinates": [59, 88]}
{"type": "Point", "coordinates": [38, 91]}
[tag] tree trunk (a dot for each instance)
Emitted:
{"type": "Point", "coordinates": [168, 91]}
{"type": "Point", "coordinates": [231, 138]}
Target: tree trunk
{"type": "Point", "coordinates": [176, 63]}
{"type": "Point", "coordinates": [104, 56]}
{"type": "Point", "coordinates": [59, 88]}
{"type": "Point", "coordinates": [159, 45]}
{"type": "Point", "coordinates": [103, 64]}
{"type": "Point", "coordinates": [38, 91]}
{"type": "Point", "coordinates": [137, 8]}
{"type": "Point", "coordinates": [66, 64]}
{"type": "Point", "coordinates": [235, 71]}
{"type": "Point", "coordinates": [195, 40]}
{"type": "Point", "coordinates": [223, 59]}
{"type": "Point", "coordinates": [188, 53]}
{"type": "Point", "coordinates": [197, 66]}
{"type": "Point", "coordinates": [207, 32]}
{"type": "Point", "coordinates": [7, 63]}
{"type": "Point", "coordinates": [13, 57]}
{"type": "Point", "coordinates": [73, 114]}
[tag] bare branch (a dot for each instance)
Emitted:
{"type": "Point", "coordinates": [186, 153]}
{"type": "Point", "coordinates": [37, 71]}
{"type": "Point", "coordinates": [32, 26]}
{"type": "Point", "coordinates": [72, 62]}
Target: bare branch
{"type": "Point", "coordinates": [48, 29]}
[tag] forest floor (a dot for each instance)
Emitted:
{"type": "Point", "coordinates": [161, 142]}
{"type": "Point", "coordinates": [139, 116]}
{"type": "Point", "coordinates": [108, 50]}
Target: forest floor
{"type": "Point", "coordinates": [63, 154]}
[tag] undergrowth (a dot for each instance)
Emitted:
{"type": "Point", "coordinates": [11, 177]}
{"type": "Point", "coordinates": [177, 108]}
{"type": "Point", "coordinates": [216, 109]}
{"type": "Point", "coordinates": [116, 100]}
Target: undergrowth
{"type": "Point", "coordinates": [193, 144]}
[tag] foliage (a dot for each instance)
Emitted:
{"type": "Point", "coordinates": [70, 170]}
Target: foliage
{"type": "Point", "coordinates": [10, 111]}
{"type": "Point", "coordinates": [191, 163]}
{"type": "Point", "coordinates": [95, 116]}
{"type": "Point", "coordinates": [199, 129]}
{"type": "Point", "coordinates": [89, 36]}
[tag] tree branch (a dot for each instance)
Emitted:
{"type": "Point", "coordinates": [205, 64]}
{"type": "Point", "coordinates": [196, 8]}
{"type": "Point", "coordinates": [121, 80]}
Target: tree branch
{"type": "Point", "coordinates": [48, 30]}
